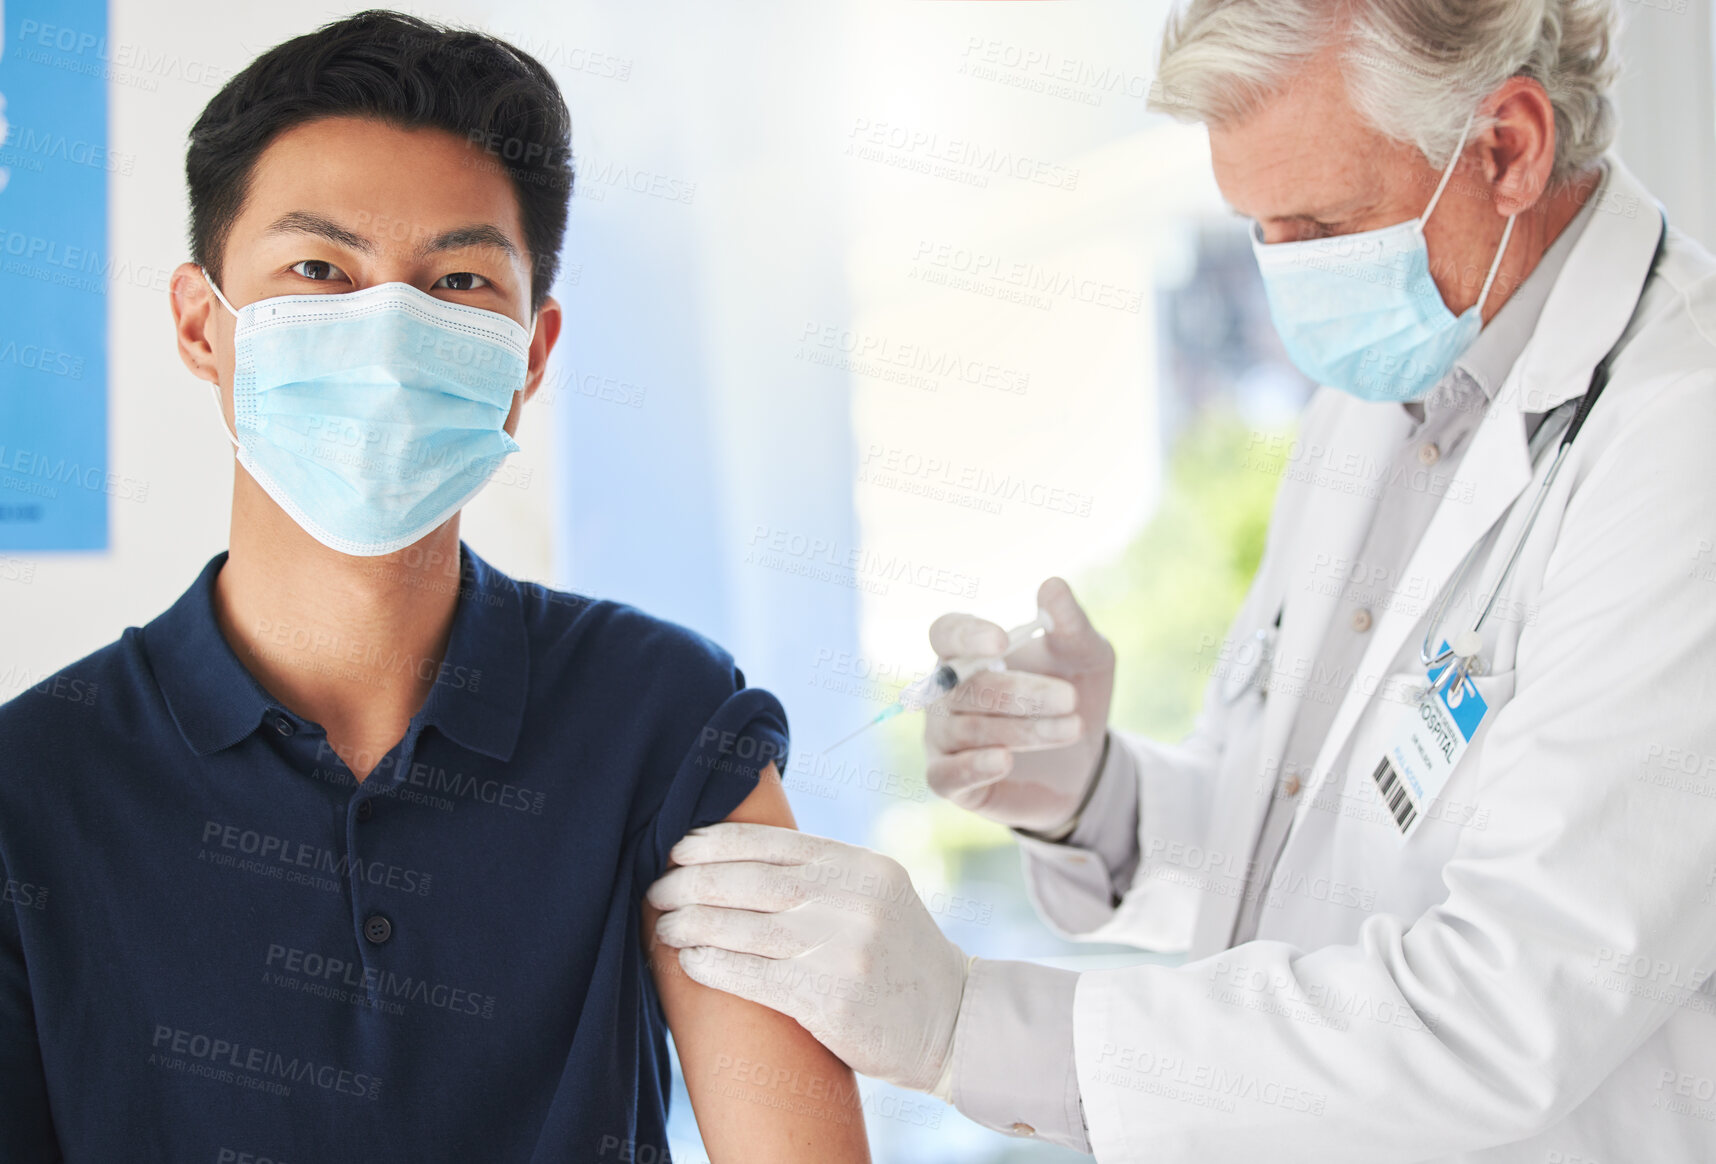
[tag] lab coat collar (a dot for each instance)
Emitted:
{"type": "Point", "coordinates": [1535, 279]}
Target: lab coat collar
{"type": "Point", "coordinates": [1503, 339]}
{"type": "Point", "coordinates": [1590, 303]}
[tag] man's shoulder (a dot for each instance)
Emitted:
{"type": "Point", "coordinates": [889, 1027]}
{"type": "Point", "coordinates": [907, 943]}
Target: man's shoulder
{"type": "Point", "coordinates": [557, 621]}
{"type": "Point", "coordinates": [1686, 294]}
{"type": "Point", "coordinates": [598, 657]}
{"type": "Point", "coordinates": [564, 626]}
{"type": "Point", "coordinates": [74, 706]}
{"type": "Point", "coordinates": [1663, 386]}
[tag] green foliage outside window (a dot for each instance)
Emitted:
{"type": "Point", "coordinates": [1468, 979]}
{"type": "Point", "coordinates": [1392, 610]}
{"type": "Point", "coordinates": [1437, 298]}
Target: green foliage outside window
{"type": "Point", "coordinates": [1170, 596]}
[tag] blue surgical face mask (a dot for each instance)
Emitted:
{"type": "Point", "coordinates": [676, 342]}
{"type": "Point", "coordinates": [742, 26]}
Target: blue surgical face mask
{"type": "Point", "coordinates": [1360, 312]}
{"type": "Point", "coordinates": [373, 416]}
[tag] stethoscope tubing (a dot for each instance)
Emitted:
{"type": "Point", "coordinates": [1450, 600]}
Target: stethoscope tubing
{"type": "Point", "coordinates": [1468, 660]}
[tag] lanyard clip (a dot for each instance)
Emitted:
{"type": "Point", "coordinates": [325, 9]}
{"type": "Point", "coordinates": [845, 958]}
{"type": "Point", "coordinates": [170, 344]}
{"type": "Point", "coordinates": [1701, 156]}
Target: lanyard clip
{"type": "Point", "coordinates": [1463, 662]}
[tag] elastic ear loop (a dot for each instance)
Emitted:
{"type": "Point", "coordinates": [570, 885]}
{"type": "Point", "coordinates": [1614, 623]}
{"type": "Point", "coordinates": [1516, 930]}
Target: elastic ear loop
{"type": "Point", "coordinates": [1507, 231]}
{"type": "Point", "coordinates": [214, 388]}
{"type": "Point", "coordinates": [1495, 264]}
{"type": "Point", "coordinates": [1447, 172]}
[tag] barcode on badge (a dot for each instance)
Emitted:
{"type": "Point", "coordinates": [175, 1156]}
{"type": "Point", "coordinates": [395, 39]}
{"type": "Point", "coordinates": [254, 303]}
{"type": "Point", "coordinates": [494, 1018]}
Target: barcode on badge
{"type": "Point", "coordinates": [1393, 789]}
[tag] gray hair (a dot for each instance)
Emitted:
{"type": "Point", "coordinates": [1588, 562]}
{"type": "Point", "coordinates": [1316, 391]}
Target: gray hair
{"type": "Point", "coordinates": [1414, 69]}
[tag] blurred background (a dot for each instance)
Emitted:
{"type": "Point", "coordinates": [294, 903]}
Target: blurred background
{"type": "Point", "coordinates": [874, 311]}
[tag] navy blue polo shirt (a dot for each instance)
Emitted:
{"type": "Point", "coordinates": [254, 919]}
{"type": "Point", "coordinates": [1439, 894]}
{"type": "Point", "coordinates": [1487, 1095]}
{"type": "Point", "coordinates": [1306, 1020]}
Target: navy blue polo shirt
{"type": "Point", "coordinates": [217, 946]}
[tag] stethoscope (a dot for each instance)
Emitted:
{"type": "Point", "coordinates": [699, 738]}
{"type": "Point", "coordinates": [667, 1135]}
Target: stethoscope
{"type": "Point", "coordinates": [1466, 644]}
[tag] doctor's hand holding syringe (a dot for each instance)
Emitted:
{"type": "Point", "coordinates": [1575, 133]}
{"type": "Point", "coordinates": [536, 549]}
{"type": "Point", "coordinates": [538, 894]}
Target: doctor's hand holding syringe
{"type": "Point", "coordinates": [1022, 745]}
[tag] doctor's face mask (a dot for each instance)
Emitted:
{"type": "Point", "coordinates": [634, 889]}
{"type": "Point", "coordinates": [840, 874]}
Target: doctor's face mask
{"type": "Point", "coordinates": [371, 417]}
{"type": "Point", "coordinates": [1360, 312]}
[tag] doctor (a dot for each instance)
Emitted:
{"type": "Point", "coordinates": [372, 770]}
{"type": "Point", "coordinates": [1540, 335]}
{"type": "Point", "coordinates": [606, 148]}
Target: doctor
{"type": "Point", "coordinates": [1441, 850]}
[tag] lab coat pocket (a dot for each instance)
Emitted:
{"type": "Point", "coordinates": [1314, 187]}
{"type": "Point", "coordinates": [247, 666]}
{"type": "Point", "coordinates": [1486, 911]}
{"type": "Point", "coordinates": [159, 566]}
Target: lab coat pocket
{"type": "Point", "coordinates": [1497, 690]}
{"type": "Point", "coordinates": [1405, 870]}
{"type": "Point", "coordinates": [1458, 805]}
{"type": "Point", "coordinates": [1392, 712]}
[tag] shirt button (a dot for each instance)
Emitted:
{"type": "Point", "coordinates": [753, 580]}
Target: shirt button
{"type": "Point", "coordinates": [1429, 454]}
{"type": "Point", "coordinates": [365, 810]}
{"type": "Point", "coordinates": [283, 725]}
{"type": "Point", "coordinates": [1292, 786]}
{"type": "Point", "coordinates": [377, 929]}
{"type": "Point", "coordinates": [1022, 1129]}
{"type": "Point", "coordinates": [1361, 620]}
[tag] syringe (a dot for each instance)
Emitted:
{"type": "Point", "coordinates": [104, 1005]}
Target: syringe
{"type": "Point", "coordinates": [950, 673]}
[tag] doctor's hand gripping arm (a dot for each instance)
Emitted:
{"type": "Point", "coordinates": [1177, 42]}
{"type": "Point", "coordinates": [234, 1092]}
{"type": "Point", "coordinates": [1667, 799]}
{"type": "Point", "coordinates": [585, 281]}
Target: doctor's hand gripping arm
{"type": "Point", "coordinates": [735, 1055]}
{"type": "Point", "coordinates": [835, 936]}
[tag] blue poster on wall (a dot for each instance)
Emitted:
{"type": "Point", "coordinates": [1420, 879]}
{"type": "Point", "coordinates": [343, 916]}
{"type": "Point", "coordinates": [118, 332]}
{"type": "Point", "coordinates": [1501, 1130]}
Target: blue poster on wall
{"type": "Point", "coordinates": [54, 160]}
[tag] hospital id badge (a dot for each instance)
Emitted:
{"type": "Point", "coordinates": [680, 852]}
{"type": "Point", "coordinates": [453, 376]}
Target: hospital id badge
{"type": "Point", "coordinates": [1433, 734]}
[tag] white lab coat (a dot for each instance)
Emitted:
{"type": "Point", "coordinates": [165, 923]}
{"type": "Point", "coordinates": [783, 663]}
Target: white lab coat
{"type": "Point", "coordinates": [1521, 979]}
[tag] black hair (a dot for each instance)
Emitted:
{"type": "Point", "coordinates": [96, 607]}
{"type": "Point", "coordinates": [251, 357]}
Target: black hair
{"type": "Point", "coordinates": [407, 72]}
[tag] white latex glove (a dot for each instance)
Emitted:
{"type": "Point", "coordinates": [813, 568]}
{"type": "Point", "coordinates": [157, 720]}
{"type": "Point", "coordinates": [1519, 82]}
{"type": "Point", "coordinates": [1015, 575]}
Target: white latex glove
{"type": "Point", "coordinates": [1020, 746]}
{"type": "Point", "coordinates": [829, 933]}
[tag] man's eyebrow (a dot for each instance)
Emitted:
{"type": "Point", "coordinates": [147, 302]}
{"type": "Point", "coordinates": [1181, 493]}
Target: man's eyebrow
{"type": "Point", "coordinates": [480, 235]}
{"type": "Point", "coordinates": [304, 222]}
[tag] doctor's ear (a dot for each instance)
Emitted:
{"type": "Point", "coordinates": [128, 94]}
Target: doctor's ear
{"type": "Point", "coordinates": [1517, 152]}
{"type": "Point", "coordinates": [194, 310]}
{"type": "Point", "coordinates": [548, 320]}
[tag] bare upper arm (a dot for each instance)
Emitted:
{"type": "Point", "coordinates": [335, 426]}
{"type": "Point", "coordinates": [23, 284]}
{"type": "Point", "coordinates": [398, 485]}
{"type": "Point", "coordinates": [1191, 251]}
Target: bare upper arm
{"type": "Point", "coordinates": [762, 1087]}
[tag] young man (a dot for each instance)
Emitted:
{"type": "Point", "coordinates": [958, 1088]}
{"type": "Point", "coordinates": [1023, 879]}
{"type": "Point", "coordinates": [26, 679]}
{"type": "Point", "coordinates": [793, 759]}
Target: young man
{"type": "Point", "coordinates": [346, 859]}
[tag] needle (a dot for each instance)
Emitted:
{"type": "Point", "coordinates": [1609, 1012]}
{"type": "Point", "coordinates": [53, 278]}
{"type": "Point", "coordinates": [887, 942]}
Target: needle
{"type": "Point", "coordinates": [950, 673]}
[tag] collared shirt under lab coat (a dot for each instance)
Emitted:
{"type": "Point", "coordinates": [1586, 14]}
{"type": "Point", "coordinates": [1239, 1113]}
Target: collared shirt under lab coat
{"type": "Point", "coordinates": [1528, 977]}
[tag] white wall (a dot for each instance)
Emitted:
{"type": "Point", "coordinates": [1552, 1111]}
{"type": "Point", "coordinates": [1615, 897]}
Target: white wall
{"type": "Point", "coordinates": [1667, 102]}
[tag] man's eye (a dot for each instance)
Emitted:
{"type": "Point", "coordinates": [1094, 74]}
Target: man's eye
{"type": "Point", "coordinates": [461, 281]}
{"type": "Point", "coordinates": [318, 270]}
